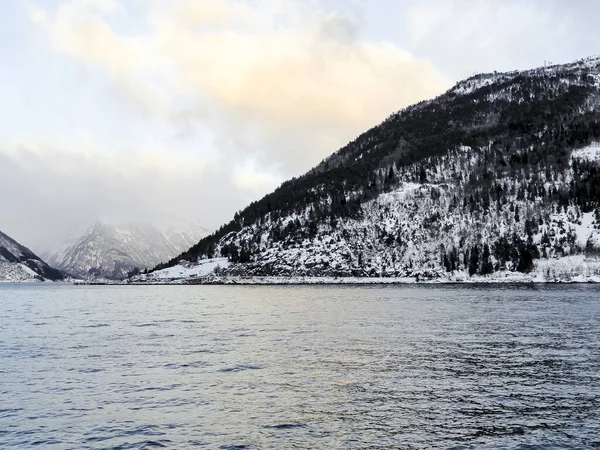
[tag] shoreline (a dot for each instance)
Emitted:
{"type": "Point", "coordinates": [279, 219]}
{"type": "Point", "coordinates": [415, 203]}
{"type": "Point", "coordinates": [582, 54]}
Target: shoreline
{"type": "Point", "coordinates": [327, 281]}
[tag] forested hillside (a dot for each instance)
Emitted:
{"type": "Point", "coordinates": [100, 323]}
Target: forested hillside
{"type": "Point", "coordinates": [500, 173]}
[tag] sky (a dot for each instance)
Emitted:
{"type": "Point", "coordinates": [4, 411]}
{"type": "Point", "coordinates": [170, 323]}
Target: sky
{"type": "Point", "coordinates": [172, 110]}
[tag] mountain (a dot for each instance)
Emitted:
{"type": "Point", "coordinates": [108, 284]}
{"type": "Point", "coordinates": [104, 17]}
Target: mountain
{"type": "Point", "coordinates": [108, 251]}
{"type": "Point", "coordinates": [498, 175]}
{"type": "Point", "coordinates": [18, 263]}
{"type": "Point", "coordinates": [183, 235]}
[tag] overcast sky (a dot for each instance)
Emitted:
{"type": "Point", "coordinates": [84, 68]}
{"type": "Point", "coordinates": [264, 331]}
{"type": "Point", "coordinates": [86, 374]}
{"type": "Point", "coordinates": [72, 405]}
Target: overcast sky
{"type": "Point", "coordinates": [130, 110]}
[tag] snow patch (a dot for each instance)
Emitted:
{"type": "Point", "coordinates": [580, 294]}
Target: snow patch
{"type": "Point", "coordinates": [590, 153]}
{"type": "Point", "coordinates": [585, 229]}
{"type": "Point", "coordinates": [185, 270]}
{"type": "Point", "coordinates": [576, 269]}
{"type": "Point", "coordinates": [17, 273]}
{"type": "Point", "coordinates": [398, 195]}
{"type": "Point", "coordinates": [477, 82]}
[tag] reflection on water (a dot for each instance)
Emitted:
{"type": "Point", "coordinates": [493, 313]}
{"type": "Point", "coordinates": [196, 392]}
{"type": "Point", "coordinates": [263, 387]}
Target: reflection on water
{"type": "Point", "coordinates": [299, 367]}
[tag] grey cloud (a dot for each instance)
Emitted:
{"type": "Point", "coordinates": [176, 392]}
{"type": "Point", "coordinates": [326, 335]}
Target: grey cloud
{"type": "Point", "coordinates": [47, 196]}
{"type": "Point", "coordinates": [339, 27]}
{"type": "Point", "coordinates": [466, 36]}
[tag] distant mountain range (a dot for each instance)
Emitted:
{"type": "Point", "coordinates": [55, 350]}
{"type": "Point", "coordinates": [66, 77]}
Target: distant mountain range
{"type": "Point", "coordinates": [18, 263]}
{"type": "Point", "coordinates": [113, 252]}
{"type": "Point", "coordinates": [499, 175]}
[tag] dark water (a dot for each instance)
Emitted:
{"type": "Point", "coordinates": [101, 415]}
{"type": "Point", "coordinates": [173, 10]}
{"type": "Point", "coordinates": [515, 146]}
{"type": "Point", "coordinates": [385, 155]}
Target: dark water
{"type": "Point", "coordinates": [299, 367]}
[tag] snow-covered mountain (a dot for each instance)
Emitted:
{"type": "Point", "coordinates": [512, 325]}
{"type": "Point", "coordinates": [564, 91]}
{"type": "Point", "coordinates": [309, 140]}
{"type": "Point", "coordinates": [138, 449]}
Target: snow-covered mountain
{"type": "Point", "coordinates": [183, 235]}
{"type": "Point", "coordinates": [498, 175]}
{"type": "Point", "coordinates": [108, 251]}
{"type": "Point", "coordinates": [18, 263]}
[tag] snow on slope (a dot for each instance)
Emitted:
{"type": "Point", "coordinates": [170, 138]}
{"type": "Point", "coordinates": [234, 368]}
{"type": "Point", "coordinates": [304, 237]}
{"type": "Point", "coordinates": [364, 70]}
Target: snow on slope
{"type": "Point", "coordinates": [185, 270]}
{"type": "Point", "coordinates": [481, 80]}
{"type": "Point", "coordinates": [500, 207]}
{"type": "Point", "coordinates": [18, 263]}
{"type": "Point", "coordinates": [590, 153]}
{"type": "Point", "coordinates": [575, 268]}
{"type": "Point", "coordinates": [184, 235]}
{"type": "Point", "coordinates": [401, 233]}
{"type": "Point", "coordinates": [108, 251]}
{"type": "Point", "coordinates": [584, 228]}
{"type": "Point", "coordinates": [570, 269]}
{"type": "Point", "coordinates": [478, 81]}
{"type": "Point", "coordinates": [12, 273]}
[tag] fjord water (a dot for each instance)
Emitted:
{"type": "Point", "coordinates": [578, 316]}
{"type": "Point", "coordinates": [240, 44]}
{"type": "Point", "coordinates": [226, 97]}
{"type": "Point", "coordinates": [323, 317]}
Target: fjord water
{"type": "Point", "coordinates": [299, 367]}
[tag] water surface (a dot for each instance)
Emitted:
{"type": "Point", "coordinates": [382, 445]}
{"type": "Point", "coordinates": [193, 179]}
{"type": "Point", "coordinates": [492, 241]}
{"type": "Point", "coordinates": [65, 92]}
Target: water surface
{"type": "Point", "coordinates": [299, 367]}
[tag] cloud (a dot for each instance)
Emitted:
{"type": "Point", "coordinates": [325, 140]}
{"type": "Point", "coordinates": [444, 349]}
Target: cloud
{"type": "Point", "coordinates": [72, 188]}
{"type": "Point", "coordinates": [213, 12]}
{"type": "Point", "coordinates": [78, 29]}
{"type": "Point", "coordinates": [270, 66]}
{"type": "Point", "coordinates": [251, 179]}
{"type": "Point", "coordinates": [210, 105]}
{"type": "Point", "coordinates": [466, 36]}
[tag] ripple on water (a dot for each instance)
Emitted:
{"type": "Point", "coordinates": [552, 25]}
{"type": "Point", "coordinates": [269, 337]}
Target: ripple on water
{"type": "Point", "coordinates": [285, 426]}
{"type": "Point", "coordinates": [300, 367]}
{"type": "Point", "coordinates": [190, 365]}
{"type": "Point", "coordinates": [240, 368]}
{"type": "Point", "coordinates": [97, 325]}
{"type": "Point", "coordinates": [141, 445]}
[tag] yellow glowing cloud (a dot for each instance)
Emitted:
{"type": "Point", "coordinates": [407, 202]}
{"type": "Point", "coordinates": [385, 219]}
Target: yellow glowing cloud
{"type": "Point", "coordinates": [268, 63]}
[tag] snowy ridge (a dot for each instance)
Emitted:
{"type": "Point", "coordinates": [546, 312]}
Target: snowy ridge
{"type": "Point", "coordinates": [19, 264]}
{"type": "Point", "coordinates": [183, 235]}
{"type": "Point", "coordinates": [589, 65]}
{"type": "Point", "coordinates": [479, 81]}
{"type": "Point", "coordinates": [106, 251]}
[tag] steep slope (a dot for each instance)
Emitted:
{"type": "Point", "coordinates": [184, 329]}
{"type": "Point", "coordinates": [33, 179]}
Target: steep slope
{"type": "Point", "coordinates": [183, 235]}
{"type": "Point", "coordinates": [497, 174]}
{"type": "Point", "coordinates": [18, 263]}
{"type": "Point", "coordinates": [107, 251]}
